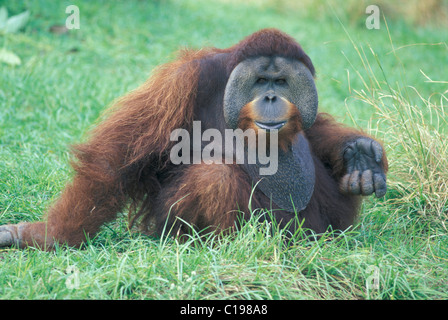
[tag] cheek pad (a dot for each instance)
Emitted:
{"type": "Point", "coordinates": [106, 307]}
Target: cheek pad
{"type": "Point", "coordinates": [238, 92]}
{"type": "Point", "coordinates": [303, 94]}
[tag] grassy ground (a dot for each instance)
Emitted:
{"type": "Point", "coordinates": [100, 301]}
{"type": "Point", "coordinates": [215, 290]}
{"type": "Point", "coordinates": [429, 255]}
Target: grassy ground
{"type": "Point", "coordinates": [391, 82]}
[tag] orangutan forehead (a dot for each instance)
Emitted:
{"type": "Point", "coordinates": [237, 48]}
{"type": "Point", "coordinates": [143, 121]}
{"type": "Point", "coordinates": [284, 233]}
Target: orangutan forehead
{"type": "Point", "coordinates": [272, 64]}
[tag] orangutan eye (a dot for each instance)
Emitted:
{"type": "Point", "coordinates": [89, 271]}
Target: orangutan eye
{"type": "Point", "coordinates": [262, 80]}
{"type": "Point", "coordinates": [280, 82]}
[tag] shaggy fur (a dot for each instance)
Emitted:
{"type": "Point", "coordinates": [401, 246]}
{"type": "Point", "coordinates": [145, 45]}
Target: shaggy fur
{"type": "Point", "coordinates": [125, 164]}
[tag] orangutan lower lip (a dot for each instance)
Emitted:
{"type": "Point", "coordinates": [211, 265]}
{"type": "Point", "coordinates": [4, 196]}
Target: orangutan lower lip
{"type": "Point", "coordinates": [270, 125]}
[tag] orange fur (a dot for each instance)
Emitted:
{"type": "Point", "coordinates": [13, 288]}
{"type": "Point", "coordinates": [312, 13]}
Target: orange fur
{"type": "Point", "coordinates": [286, 135]}
{"type": "Point", "coordinates": [207, 196]}
{"type": "Point", "coordinates": [122, 157]}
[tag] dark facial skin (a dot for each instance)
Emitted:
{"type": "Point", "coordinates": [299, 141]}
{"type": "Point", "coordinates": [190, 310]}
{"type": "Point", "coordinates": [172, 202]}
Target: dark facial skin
{"type": "Point", "coordinates": [272, 85]}
{"type": "Point", "coordinates": [270, 107]}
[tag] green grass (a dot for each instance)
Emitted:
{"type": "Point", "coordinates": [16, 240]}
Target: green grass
{"type": "Point", "coordinates": [365, 78]}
